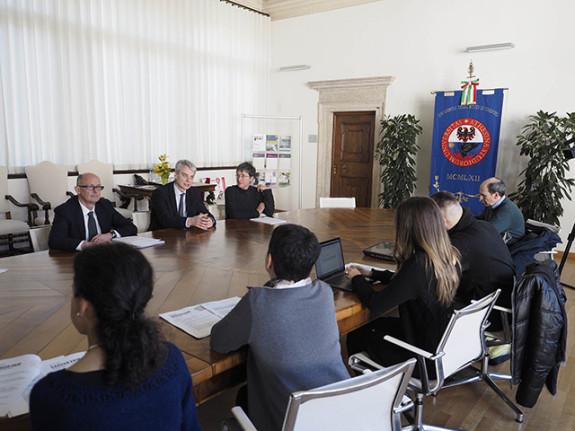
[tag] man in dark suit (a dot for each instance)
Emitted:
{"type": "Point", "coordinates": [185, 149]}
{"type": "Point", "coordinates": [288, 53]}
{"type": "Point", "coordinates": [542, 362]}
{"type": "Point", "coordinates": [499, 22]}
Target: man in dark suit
{"type": "Point", "coordinates": [179, 205]}
{"type": "Point", "coordinates": [87, 219]}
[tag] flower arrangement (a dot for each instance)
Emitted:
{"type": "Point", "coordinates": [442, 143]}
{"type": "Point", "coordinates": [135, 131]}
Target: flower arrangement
{"type": "Point", "coordinates": [163, 168]}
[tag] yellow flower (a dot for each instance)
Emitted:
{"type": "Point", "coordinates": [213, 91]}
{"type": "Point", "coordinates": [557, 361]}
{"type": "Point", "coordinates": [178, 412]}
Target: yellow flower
{"type": "Point", "coordinates": [163, 167]}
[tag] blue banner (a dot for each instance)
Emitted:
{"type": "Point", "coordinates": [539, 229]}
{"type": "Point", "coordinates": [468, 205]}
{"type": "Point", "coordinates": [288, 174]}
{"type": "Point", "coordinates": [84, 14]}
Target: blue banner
{"type": "Point", "coordinates": [465, 144]}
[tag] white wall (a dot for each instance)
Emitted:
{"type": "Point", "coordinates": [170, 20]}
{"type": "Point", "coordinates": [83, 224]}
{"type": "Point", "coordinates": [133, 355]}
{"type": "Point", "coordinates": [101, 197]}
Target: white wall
{"type": "Point", "coordinates": [422, 43]}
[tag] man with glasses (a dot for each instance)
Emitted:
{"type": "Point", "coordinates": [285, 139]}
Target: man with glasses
{"type": "Point", "coordinates": [179, 205]}
{"type": "Point", "coordinates": [245, 201]}
{"type": "Point", "coordinates": [87, 219]}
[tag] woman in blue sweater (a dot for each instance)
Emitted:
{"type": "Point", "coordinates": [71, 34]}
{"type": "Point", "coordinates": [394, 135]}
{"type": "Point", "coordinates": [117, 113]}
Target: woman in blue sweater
{"type": "Point", "coordinates": [129, 379]}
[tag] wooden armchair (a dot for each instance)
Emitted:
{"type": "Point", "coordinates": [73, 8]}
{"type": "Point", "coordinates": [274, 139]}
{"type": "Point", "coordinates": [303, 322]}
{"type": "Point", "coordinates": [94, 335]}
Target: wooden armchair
{"type": "Point", "coordinates": [105, 172]}
{"type": "Point", "coordinates": [13, 231]}
{"type": "Point", "coordinates": [48, 185]}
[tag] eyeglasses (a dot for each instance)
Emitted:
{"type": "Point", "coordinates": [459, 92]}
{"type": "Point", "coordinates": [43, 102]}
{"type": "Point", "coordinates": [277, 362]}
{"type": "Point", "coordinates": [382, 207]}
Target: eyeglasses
{"type": "Point", "coordinates": [92, 188]}
{"type": "Point", "coordinates": [242, 176]}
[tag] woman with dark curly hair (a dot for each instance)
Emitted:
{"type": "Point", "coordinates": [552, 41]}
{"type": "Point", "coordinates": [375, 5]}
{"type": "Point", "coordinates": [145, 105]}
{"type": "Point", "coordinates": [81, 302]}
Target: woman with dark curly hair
{"type": "Point", "coordinates": [129, 378]}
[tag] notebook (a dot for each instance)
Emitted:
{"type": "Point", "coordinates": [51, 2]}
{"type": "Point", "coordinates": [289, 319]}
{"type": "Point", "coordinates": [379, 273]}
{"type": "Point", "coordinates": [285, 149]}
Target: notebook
{"type": "Point", "coordinates": [382, 250]}
{"type": "Point", "coordinates": [330, 266]}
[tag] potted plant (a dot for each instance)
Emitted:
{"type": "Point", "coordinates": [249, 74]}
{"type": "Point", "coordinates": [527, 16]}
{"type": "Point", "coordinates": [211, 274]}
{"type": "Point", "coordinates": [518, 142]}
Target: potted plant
{"type": "Point", "coordinates": [162, 169]}
{"type": "Point", "coordinates": [396, 153]}
{"type": "Point", "coordinates": [544, 181]}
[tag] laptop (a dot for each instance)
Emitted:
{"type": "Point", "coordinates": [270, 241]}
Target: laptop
{"type": "Point", "coordinates": [381, 250]}
{"type": "Point", "coordinates": [330, 266]}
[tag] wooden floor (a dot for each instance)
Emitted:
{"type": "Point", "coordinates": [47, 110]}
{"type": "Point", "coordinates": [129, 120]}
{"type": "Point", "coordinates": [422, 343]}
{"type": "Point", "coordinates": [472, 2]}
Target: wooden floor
{"type": "Point", "coordinates": [475, 406]}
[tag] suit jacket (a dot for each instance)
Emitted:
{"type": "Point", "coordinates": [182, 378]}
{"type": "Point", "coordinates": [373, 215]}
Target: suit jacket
{"type": "Point", "coordinates": [69, 229]}
{"type": "Point", "coordinates": [165, 209]}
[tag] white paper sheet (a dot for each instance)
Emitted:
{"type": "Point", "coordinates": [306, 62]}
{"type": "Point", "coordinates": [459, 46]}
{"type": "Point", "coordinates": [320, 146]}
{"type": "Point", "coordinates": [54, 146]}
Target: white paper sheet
{"type": "Point", "coordinates": [197, 320]}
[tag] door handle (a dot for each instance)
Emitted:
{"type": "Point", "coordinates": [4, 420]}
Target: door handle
{"type": "Point", "coordinates": [334, 170]}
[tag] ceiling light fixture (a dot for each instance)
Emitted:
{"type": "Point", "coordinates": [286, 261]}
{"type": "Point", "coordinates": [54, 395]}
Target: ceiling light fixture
{"type": "Point", "coordinates": [492, 47]}
{"type": "Point", "coordinates": [294, 68]}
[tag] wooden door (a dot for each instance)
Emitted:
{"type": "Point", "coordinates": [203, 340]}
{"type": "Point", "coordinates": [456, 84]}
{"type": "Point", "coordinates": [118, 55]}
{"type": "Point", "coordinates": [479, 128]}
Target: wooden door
{"type": "Point", "coordinates": [352, 156]}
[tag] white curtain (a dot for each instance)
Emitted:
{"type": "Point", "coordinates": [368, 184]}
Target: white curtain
{"type": "Point", "coordinates": [123, 81]}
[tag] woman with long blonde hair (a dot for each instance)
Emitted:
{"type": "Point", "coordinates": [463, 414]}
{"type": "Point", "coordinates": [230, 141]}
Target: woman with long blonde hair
{"type": "Point", "coordinates": [423, 286]}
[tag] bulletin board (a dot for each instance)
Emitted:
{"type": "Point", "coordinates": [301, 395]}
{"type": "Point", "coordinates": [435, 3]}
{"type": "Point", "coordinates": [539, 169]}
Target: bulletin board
{"type": "Point", "coordinates": [273, 146]}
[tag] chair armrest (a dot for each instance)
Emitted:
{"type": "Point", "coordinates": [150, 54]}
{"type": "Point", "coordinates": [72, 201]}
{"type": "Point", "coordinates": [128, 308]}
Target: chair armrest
{"type": "Point", "coordinates": [31, 207]}
{"type": "Point", "coordinates": [123, 195]}
{"type": "Point", "coordinates": [363, 363]}
{"type": "Point", "coordinates": [243, 419]}
{"type": "Point", "coordinates": [503, 309]}
{"type": "Point", "coordinates": [405, 405]}
{"type": "Point", "coordinates": [45, 205]}
{"type": "Point", "coordinates": [498, 307]}
{"type": "Point", "coordinates": [412, 348]}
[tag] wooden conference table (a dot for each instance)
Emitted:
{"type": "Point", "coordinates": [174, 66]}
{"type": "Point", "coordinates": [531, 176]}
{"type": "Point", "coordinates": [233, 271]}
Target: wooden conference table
{"type": "Point", "coordinates": [192, 267]}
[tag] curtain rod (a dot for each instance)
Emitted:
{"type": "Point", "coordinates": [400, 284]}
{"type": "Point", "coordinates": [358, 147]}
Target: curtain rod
{"type": "Point", "coordinates": [245, 7]}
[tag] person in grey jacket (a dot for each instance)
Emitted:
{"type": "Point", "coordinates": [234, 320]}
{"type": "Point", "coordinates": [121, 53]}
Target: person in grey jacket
{"type": "Point", "coordinates": [289, 326]}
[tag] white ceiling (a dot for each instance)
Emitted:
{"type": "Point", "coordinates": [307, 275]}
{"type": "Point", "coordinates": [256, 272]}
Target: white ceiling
{"type": "Point", "coordinates": [281, 9]}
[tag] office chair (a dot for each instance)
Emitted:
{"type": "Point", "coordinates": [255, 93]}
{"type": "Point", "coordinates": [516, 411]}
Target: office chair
{"type": "Point", "coordinates": [462, 344]}
{"type": "Point", "coordinates": [372, 401]}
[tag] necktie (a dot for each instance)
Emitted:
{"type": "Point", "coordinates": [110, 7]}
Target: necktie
{"type": "Point", "coordinates": [92, 229]}
{"type": "Point", "coordinates": [181, 207]}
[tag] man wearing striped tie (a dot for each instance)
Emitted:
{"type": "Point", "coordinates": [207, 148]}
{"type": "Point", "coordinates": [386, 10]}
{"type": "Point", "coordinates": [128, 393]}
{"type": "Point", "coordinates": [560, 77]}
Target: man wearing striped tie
{"type": "Point", "coordinates": [87, 219]}
{"type": "Point", "coordinates": [179, 205]}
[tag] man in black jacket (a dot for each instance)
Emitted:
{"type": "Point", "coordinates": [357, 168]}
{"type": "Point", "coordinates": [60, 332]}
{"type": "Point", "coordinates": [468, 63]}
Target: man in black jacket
{"type": "Point", "coordinates": [87, 219]}
{"type": "Point", "coordinates": [179, 205]}
{"type": "Point", "coordinates": [485, 259]}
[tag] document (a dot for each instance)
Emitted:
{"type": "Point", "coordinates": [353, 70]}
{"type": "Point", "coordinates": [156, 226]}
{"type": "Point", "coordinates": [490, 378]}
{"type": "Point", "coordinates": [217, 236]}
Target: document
{"type": "Point", "coordinates": [268, 220]}
{"type": "Point", "coordinates": [19, 375]}
{"type": "Point", "coordinates": [139, 241]}
{"type": "Point", "coordinates": [197, 320]}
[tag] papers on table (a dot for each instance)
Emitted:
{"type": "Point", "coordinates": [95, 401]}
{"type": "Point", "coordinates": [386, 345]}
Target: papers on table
{"type": "Point", "coordinates": [268, 220]}
{"type": "Point", "coordinates": [366, 267]}
{"type": "Point", "coordinates": [18, 375]}
{"type": "Point", "coordinates": [197, 320]}
{"type": "Point", "coordinates": [139, 241]}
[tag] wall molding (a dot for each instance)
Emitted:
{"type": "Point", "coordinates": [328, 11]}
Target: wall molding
{"type": "Point", "coordinates": [347, 95]}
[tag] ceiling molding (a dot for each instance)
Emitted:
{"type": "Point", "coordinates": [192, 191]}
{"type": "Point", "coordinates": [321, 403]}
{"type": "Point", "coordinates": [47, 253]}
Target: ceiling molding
{"type": "Point", "coordinates": [282, 9]}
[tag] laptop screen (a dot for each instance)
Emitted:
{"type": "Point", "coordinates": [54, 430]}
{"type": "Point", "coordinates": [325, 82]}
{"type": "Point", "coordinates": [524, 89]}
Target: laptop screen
{"type": "Point", "coordinates": [330, 259]}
